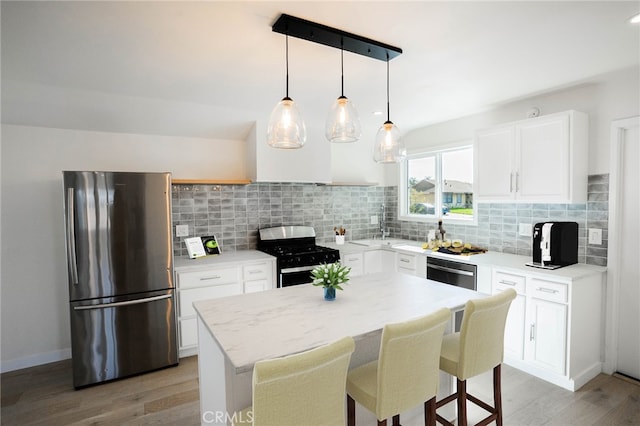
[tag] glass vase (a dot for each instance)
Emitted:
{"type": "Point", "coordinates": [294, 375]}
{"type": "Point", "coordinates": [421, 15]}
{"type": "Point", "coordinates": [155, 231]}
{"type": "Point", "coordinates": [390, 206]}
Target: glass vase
{"type": "Point", "coordinates": [329, 293]}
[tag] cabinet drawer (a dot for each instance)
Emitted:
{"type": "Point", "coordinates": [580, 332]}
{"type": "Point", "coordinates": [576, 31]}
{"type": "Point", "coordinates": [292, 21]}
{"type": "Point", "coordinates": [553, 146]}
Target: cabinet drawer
{"type": "Point", "coordinates": [406, 261]}
{"type": "Point", "coordinates": [257, 271]}
{"type": "Point", "coordinates": [548, 290]}
{"type": "Point", "coordinates": [187, 297]}
{"type": "Point", "coordinates": [255, 286]}
{"type": "Point", "coordinates": [503, 281]}
{"type": "Point", "coordinates": [210, 277]}
{"type": "Point", "coordinates": [188, 333]}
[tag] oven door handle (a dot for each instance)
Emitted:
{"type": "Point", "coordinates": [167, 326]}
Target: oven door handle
{"type": "Point", "coordinates": [453, 271]}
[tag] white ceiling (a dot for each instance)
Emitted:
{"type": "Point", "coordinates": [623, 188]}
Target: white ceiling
{"type": "Point", "coordinates": [210, 69]}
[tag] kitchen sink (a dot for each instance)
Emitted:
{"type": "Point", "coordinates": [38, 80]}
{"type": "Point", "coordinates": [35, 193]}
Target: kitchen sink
{"type": "Point", "coordinates": [377, 243]}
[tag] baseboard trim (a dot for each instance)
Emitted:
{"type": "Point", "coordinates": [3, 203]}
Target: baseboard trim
{"type": "Point", "coordinates": [626, 378]}
{"type": "Point", "coordinates": [33, 360]}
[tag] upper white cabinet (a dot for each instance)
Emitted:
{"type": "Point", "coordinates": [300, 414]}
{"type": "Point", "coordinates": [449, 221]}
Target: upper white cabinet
{"type": "Point", "coordinates": [542, 160]}
{"type": "Point", "coordinates": [311, 163]}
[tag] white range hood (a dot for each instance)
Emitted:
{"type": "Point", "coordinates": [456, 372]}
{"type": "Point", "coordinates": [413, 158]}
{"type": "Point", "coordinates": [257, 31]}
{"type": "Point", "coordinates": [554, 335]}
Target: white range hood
{"type": "Point", "coordinates": [309, 164]}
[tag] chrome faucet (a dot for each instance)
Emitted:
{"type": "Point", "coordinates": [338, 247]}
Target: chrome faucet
{"type": "Point", "coordinates": [383, 221]}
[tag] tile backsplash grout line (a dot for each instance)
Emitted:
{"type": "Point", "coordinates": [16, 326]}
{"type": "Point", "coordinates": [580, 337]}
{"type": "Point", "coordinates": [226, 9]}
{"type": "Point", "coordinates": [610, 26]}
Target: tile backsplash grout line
{"type": "Point", "coordinates": [234, 213]}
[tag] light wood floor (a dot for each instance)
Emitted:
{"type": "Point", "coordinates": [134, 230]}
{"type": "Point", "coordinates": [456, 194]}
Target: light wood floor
{"type": "Point", "coordinates": [44, 395]}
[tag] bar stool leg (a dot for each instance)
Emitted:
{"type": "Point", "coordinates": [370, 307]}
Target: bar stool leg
{"type": "Point", "coordinates": [497, 394]}
{"type": "Point", "coordinates": [430, 412]}
{"type": "Point", "coordinates": [462, 402]}
{"type": "Point", "coordinates": [351, 411]}
{"type": "Point", "coordinates": [396, 420]}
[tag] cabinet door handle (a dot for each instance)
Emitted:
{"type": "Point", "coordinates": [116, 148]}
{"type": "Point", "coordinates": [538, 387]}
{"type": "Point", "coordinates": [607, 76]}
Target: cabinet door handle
{"type": "Point", "coordinates": [511, 283]}
{"type": "Point", "coordinates": [215, 277]}
{"type": "Point", "coordinates": [404, 260]}
{"type": "Point", "coordinates": [255, 271]}
{"type": "Point", "coordinates": [547, 290]}
{"type": "Point", "coordinates": [511, 182]}
{"type": "Point", "coordinates": [532, 332]}
{"type": "Point", "coordinates": [517, 182]}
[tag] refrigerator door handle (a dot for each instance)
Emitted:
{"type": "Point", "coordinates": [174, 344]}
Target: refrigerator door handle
{"type": "Point", "coordinates": [71, 236]}
{"type": "Point", "coordinates": [127, 303]}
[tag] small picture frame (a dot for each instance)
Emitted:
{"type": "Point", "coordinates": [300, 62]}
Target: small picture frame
{"type": "Point", "coordinates": [211, 246]}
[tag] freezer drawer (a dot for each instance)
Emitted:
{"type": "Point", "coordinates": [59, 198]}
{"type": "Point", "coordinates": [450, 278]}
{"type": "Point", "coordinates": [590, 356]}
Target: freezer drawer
{"type": "Point", "coordinates": [114, 337]}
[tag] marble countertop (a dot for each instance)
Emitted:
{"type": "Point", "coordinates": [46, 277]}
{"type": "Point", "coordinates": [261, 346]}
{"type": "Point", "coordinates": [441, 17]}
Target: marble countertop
{"type": "Point", "coordinates": [279, 322]}
{"type": "Point", "coordinates": [184, 264]}
{"type": "Point", "coordinates": [490, 259]}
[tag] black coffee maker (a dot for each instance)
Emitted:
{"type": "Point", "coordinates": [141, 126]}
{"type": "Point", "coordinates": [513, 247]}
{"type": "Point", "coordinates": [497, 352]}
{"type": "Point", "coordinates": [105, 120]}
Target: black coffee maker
{"type": "Point", "coordinates": [555, 244]}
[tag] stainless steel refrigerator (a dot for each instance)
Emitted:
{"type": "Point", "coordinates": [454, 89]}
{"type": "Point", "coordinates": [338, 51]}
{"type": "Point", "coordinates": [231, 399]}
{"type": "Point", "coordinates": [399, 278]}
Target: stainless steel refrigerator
{"type": "Point", "coordinates": [120, 268]}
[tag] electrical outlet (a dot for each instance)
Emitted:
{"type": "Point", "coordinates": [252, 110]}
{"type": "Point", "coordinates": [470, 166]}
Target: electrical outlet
{"type": "Point", "coordinates": [525, 229]}
{"type": "Point", "coordinates": [374, 220]}
{"type": "Point", "coordinates": [182, 230]}
{"type": "Point", "coordinates": [595, 236]}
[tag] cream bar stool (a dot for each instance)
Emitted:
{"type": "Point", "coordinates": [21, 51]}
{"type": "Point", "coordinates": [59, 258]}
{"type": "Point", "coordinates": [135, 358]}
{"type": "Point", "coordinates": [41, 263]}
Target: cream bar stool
{"type": "Point", "coordinates": [302, 389]}
{"type": "Point", "coordinates": [405, 374]}
{"type": "Point", "coordinates": [477, 348]}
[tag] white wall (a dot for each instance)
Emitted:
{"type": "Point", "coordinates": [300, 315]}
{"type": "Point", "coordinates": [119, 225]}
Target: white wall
{"type": "Point", "coordinates": [609, 97]}
{"type": "Point", "coordinates": [33, 293]}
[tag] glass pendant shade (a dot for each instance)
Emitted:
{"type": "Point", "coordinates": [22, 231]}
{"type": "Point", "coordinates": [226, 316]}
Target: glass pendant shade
{"type": "Point", "coordinates": [389, 147]}
{"type": "Point", "coordinates": [343, 124]}
{"type": "Point", "coordinates": [286, 129]}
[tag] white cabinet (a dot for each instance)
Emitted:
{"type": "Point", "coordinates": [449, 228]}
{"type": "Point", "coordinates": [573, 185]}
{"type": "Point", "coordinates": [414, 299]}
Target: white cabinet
{"type": "Point", "coordinates": [514, 328]}
{"type": "Point", "coordinates": [542, 159]}
{"type": "Point", "coordinates": [213, 281]}
{"type": "Point", "coordinates": [412, 264]}
{"type": "Point", "coordinates": [554, 326]}
{"type": "Point", "coordinates": [547, 327]}
{"type": "Point", "coordinates": [355, 261]}
{"type": "Point", "coordinates": [199, 285]}
{"type": "Point", "coordinates": [379, 261]}
{"type": "Point", "coordinates": [258, 276]}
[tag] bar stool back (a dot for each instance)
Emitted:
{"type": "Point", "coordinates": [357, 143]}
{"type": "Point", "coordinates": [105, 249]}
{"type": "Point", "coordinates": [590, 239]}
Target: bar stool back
{"type": "Point", "coordinates": [477, 348]}
{"type": "Point", "coordinates": [406, 372]}
{"type": "Point", "coordinates": [302, 389]}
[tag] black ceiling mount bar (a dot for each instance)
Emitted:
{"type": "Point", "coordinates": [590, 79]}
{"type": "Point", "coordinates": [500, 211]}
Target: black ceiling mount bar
{"type": "Point", "coordinates": [318, 33]}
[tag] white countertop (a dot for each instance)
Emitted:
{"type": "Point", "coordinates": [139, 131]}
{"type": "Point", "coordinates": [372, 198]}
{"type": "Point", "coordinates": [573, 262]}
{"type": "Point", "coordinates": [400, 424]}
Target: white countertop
{"type": "Point", "coordinates": [490, 259]}
{"type": "Point", "coordinates": [184, 264]}
{"type": "Point", "coordinates": [279, 322]}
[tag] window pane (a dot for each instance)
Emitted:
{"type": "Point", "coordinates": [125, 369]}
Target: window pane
{"type": "Point", "coordinates": [421, 180]}
{"type": "Point", "coordinates": [457, 183]}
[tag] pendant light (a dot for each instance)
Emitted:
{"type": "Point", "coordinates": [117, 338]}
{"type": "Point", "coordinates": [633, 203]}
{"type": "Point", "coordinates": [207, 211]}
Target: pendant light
{"type": "Point", "coordinates": [286, 129]}
{"type": "Point", "coordinates": [343, 124]}
{"type": "Point", "coordinates": [389, 147]}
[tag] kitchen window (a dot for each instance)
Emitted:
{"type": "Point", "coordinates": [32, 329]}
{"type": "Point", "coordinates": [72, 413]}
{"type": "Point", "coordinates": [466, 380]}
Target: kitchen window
{"type": "Point", "coordinates": [438, 185]}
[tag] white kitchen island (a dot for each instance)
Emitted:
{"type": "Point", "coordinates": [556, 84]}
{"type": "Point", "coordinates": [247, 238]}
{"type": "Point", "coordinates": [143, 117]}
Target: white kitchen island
{"type": "Point", "coordinates": [235, 332]}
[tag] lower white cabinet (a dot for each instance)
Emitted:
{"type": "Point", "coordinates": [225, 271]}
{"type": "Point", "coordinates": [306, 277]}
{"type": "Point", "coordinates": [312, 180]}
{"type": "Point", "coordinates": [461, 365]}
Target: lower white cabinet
{"type": "Point", "coordinates": [547, 335]}
{"type": "Point", "coordinates": [379, 261]}
{"type": "Point", "coordinates": [355, 261]}
{"type": "Point", "coordinates": [211, 282]}
{"type": "Point", "coordinates": [412, 264]}
{"type": "Point", "coordinates": [554, 326]}
{"type": "Point", "coordinates": [514, 328]}
{"type": "Point", "coordinates": [369, 262]}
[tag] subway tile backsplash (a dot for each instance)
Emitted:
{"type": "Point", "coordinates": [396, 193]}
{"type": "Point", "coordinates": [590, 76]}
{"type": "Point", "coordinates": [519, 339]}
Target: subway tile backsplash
{"type": "Point", "coordinates": [234, 213]}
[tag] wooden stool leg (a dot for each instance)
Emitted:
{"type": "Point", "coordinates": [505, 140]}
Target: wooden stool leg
{"type": "Point", "coordinates": [351, 411]}
{"type": "Point", "coordinates": [430, 412]}
{"type": "Point", "coordinates": [497, 394]}
{"type": "Point", "coordinates": [462, 402]}
{"type": "Point", "coordinates": [382, 422]}
{"type": "Point", "coordinates": [396, 420]}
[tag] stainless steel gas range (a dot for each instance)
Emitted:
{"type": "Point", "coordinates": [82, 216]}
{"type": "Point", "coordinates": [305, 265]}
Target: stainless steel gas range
{"type": "Point", "coordinates": [296, 252]}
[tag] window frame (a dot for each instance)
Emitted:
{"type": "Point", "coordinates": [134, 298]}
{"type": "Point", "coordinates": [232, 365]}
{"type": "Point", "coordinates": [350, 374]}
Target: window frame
{"type": "Point", "coordinates": [403, 207]}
